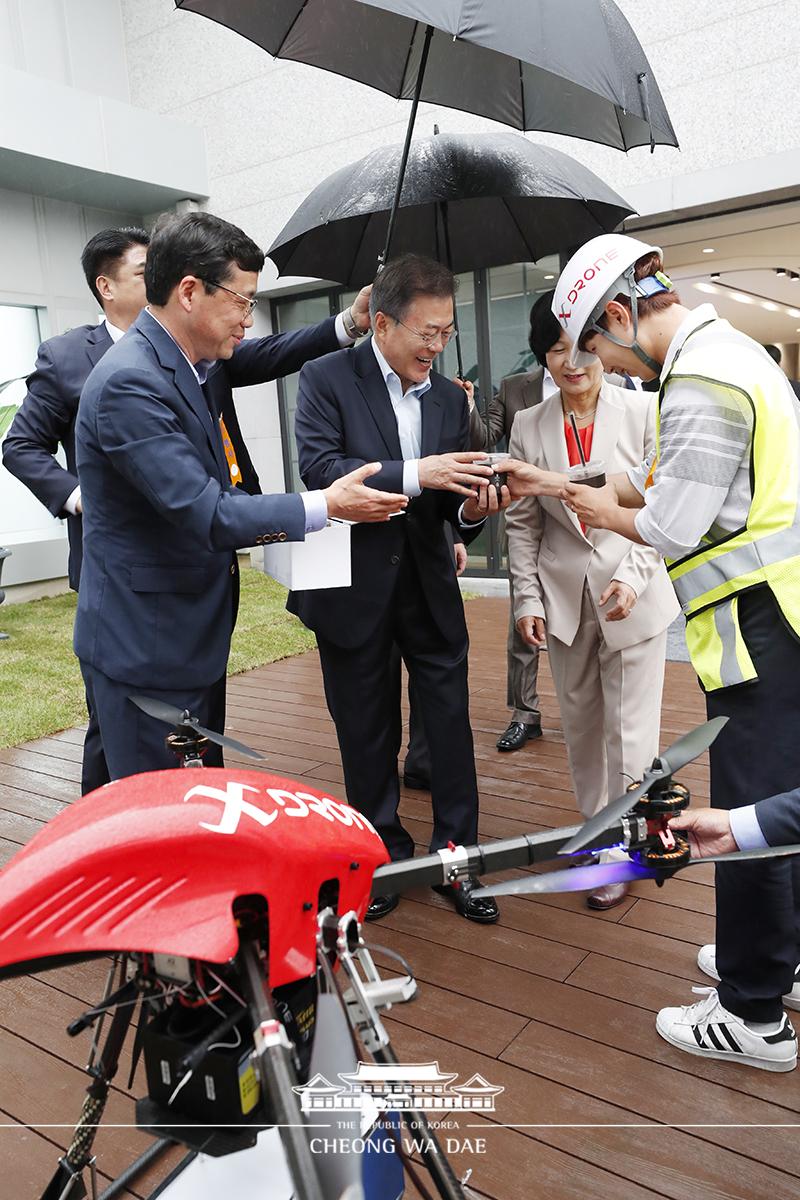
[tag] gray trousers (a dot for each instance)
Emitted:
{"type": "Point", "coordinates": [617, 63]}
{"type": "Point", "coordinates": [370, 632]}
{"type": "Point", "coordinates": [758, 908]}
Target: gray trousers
{"type": "Point", "coordinates": [522, 666]}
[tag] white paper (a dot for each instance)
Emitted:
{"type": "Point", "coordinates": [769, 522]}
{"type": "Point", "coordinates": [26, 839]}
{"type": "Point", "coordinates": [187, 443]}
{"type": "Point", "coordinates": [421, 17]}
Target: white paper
{"type": "Point", "coordinates": [321, 561]}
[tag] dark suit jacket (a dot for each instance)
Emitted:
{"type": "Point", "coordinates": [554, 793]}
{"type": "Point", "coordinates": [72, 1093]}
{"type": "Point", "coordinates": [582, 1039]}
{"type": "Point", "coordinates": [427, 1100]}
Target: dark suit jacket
{"type": "Point", "coordinates": [47, 415]}
{"type": "Point", "coordinates": [517, 392]}
{"type": "Point", "coordinates": [46, 419]}
{"type": "Point", "coordinates": [161, 520]}
{"type": "Point", "coordinates": [779, 818]}
{"type": "Point", "coordinates": [345, 419]}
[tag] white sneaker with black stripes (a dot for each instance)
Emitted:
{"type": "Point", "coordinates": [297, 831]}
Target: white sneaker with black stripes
{"type": "Point", "coordinates": [708, 1030]}
{"type": "Point", "coordinates": [707, 962]}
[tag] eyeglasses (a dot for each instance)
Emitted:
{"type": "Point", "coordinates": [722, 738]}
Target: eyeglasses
{"type": "Point", "coordinates": [247, 304]}
{"type": "Point", "coordinates": [428, 339]}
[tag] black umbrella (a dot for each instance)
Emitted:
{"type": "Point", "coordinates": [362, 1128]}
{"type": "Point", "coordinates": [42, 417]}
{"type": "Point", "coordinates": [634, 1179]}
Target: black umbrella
{"type": "Point", "coordinates": [476, 201]}
{"type": "Point", "coordinates": [471, 200]}
{"type": "Point", "coordinates": [564, 66]}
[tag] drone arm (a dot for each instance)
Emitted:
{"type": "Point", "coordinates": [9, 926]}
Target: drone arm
{"type": "Point", "coordinates": [446, 866]}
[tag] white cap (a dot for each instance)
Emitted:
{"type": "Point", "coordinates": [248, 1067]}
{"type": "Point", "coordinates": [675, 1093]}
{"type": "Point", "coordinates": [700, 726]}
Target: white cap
{"type": "Point", "coordinates": [594, 275]}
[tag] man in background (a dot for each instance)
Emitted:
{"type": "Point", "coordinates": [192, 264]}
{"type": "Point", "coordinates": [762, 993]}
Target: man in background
{"type": "Point", "coordinates": [776, 356]}
{"type": "Point", "coordinates": [517, 394]}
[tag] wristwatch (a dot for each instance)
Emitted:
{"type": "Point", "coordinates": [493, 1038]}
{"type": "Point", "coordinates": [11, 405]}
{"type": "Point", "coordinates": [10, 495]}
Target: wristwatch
{"type": "Point", "coordinates": [350, 327]}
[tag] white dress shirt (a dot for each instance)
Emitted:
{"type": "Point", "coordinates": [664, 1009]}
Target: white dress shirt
{"type": "Point", "coordinates": [408, 414]}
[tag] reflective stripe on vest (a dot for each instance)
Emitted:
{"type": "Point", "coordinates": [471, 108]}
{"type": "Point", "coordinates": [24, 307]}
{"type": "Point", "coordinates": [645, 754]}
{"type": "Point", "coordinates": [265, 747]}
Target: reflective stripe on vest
{"type": "Point", "coordinates": [766, 551]}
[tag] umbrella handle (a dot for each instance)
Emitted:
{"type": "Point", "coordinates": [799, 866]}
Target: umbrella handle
{"type": "Point", "coordinates": [383, 258]}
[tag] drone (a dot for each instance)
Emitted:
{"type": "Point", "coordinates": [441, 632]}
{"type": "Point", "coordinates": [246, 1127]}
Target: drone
{"type": "Point", "coordinates": [232, 902]}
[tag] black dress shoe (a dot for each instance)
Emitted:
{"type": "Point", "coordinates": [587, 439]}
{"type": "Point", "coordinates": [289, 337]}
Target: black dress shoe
{"type": "Point", "coordinates": [518, 734]}
{"type": "Point", "coordinates": [381, 906]}
{"type": "Point", "coordinates": [416, 783]}
{"type": "Point", "coordinates": [466, 896]}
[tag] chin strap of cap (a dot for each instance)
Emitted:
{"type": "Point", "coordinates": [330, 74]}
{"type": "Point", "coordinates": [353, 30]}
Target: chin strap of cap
{"type": "Point", "coordinates": [651, 285]}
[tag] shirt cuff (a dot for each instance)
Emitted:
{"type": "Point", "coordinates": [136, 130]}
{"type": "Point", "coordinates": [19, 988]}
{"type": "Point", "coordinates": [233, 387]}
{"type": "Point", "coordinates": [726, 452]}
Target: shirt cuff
{"type": "Point", "coordinates": [411, 477]}
{"type": "Point", "coordinates": [341, 336]}
{"type": "Point", "coordinates": [316, 507]}
{"type": "Point", "coordinates": [637, 479]}
{"type": "Point", "coordinates": [746, 829]}
{"type": "Point", "coordinates": [652, 535]}
{"type": "Point", "coordinates": [71, 502]}
{"type": "Point", "coordinates": [468, 524]}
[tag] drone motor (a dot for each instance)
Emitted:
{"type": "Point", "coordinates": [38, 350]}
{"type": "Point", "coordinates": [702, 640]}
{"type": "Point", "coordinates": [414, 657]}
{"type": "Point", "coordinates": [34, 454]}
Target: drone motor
{"type": "Point", "coordinates": [662, 850]}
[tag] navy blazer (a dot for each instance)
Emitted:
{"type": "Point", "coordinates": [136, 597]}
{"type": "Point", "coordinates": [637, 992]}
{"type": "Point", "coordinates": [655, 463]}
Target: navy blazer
{"type": "Point", "coordinates": [47, 415]}
{"type": "Point", "coordinates": [46, 419]}
{"type": "Point", "coordinates": [160, 519]}
{"type": "Point", "coordinates": [779, 818]}
{"type": "Point", "coordinates": [345, 419]}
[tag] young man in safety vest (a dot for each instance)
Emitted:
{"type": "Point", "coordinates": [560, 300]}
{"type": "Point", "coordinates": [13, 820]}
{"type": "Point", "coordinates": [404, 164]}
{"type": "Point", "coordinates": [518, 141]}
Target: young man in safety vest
{"type": "Point", "coordinates": [720, 499]}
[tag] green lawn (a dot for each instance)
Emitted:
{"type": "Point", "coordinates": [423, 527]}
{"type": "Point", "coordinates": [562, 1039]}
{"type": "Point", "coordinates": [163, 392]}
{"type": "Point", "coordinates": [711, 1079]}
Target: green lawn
{"type": "Point", "coordinates": [41, 690]}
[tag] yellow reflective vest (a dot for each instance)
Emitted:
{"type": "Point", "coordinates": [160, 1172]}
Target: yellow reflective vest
{"type": "Point", "coordinates": [766, 550]}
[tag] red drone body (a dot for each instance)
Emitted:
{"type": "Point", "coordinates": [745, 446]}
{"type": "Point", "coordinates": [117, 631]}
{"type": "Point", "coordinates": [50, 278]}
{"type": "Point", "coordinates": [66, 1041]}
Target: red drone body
{"type": "Point", "coordinates": [155, 863]}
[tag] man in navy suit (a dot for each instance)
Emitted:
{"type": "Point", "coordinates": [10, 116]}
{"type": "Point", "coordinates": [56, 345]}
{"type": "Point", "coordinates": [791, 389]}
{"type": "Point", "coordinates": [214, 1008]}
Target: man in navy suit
{"type": "Point", "coordinates": [774, 821]}
{"type": "Point", "coordinates": [381, 401]}
{"type": "Point", "coordinates": [161, 519]}
{"type": "Point", "coordinates": [113, 264]}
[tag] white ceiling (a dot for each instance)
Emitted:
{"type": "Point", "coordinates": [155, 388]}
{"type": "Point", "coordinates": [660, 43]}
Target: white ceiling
{"type": "Point", "coordinates": [746, 248]}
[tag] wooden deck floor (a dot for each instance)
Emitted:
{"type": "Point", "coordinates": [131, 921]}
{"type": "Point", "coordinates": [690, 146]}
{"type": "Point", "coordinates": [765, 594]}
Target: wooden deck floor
{"type": "Point", "coordinates": [555, 1004]}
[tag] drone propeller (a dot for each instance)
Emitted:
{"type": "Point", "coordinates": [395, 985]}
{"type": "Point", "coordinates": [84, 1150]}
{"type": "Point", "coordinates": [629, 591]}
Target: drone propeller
{"type": "Point", "coordinates": [182, 719]}
{"type": "Point", "coordinates": [574, 879]}
{"type": "Point", "coordinates": [584, 879]}
{"type": "Point", "coordinates": [674, 758]}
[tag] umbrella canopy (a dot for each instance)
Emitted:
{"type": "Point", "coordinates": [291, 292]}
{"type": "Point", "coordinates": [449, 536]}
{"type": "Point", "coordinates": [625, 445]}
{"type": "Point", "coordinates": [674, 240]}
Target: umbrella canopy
{"type": "Point", "coordinates": [563, 66]}
{"type": "Point", "coordinates": [476, 201]}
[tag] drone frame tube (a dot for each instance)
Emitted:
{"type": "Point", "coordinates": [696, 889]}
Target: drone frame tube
{"type": "Point", "coordinates": [275, 1064]}
{"type": "Point", "coordinates": [447, 866]}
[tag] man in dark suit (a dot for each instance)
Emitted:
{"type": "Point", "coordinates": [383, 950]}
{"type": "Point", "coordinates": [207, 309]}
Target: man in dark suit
{"type": "Point", "coordinates": [113, 263]}
{"type": "Point", "coordinates": [774, 821]}
{"type": "Point", "coordinates": [161, 519]}
{"type": "Point", "coordinates": [517, 393]}
{"type": "Point", "coordinates": [381, 401]}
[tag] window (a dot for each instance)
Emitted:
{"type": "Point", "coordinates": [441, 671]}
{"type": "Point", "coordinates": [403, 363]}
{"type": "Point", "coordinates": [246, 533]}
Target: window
{"type": "Point", "coordinates": [20, 335]}
{"type": "Point", "coordinates": [22, 517]}
{"type": "Point", "coordinates": [512, 291]}
{"type": "Point", "coordinates": [294, 313]}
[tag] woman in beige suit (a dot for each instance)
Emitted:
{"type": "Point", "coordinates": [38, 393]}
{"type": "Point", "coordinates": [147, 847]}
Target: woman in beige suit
{"type": "Point", "coordinates": [601, 603]}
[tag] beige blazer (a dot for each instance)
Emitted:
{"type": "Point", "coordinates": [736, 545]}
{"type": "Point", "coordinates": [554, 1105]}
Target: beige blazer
{"type": "Point", "coordinates": [550, 556]}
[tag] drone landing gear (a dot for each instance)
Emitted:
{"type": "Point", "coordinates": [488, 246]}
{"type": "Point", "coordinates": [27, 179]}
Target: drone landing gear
{"type": "Point", "coordinates": [68, 1181]}
{"type": "Point", "coordinates": [340, 938]}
